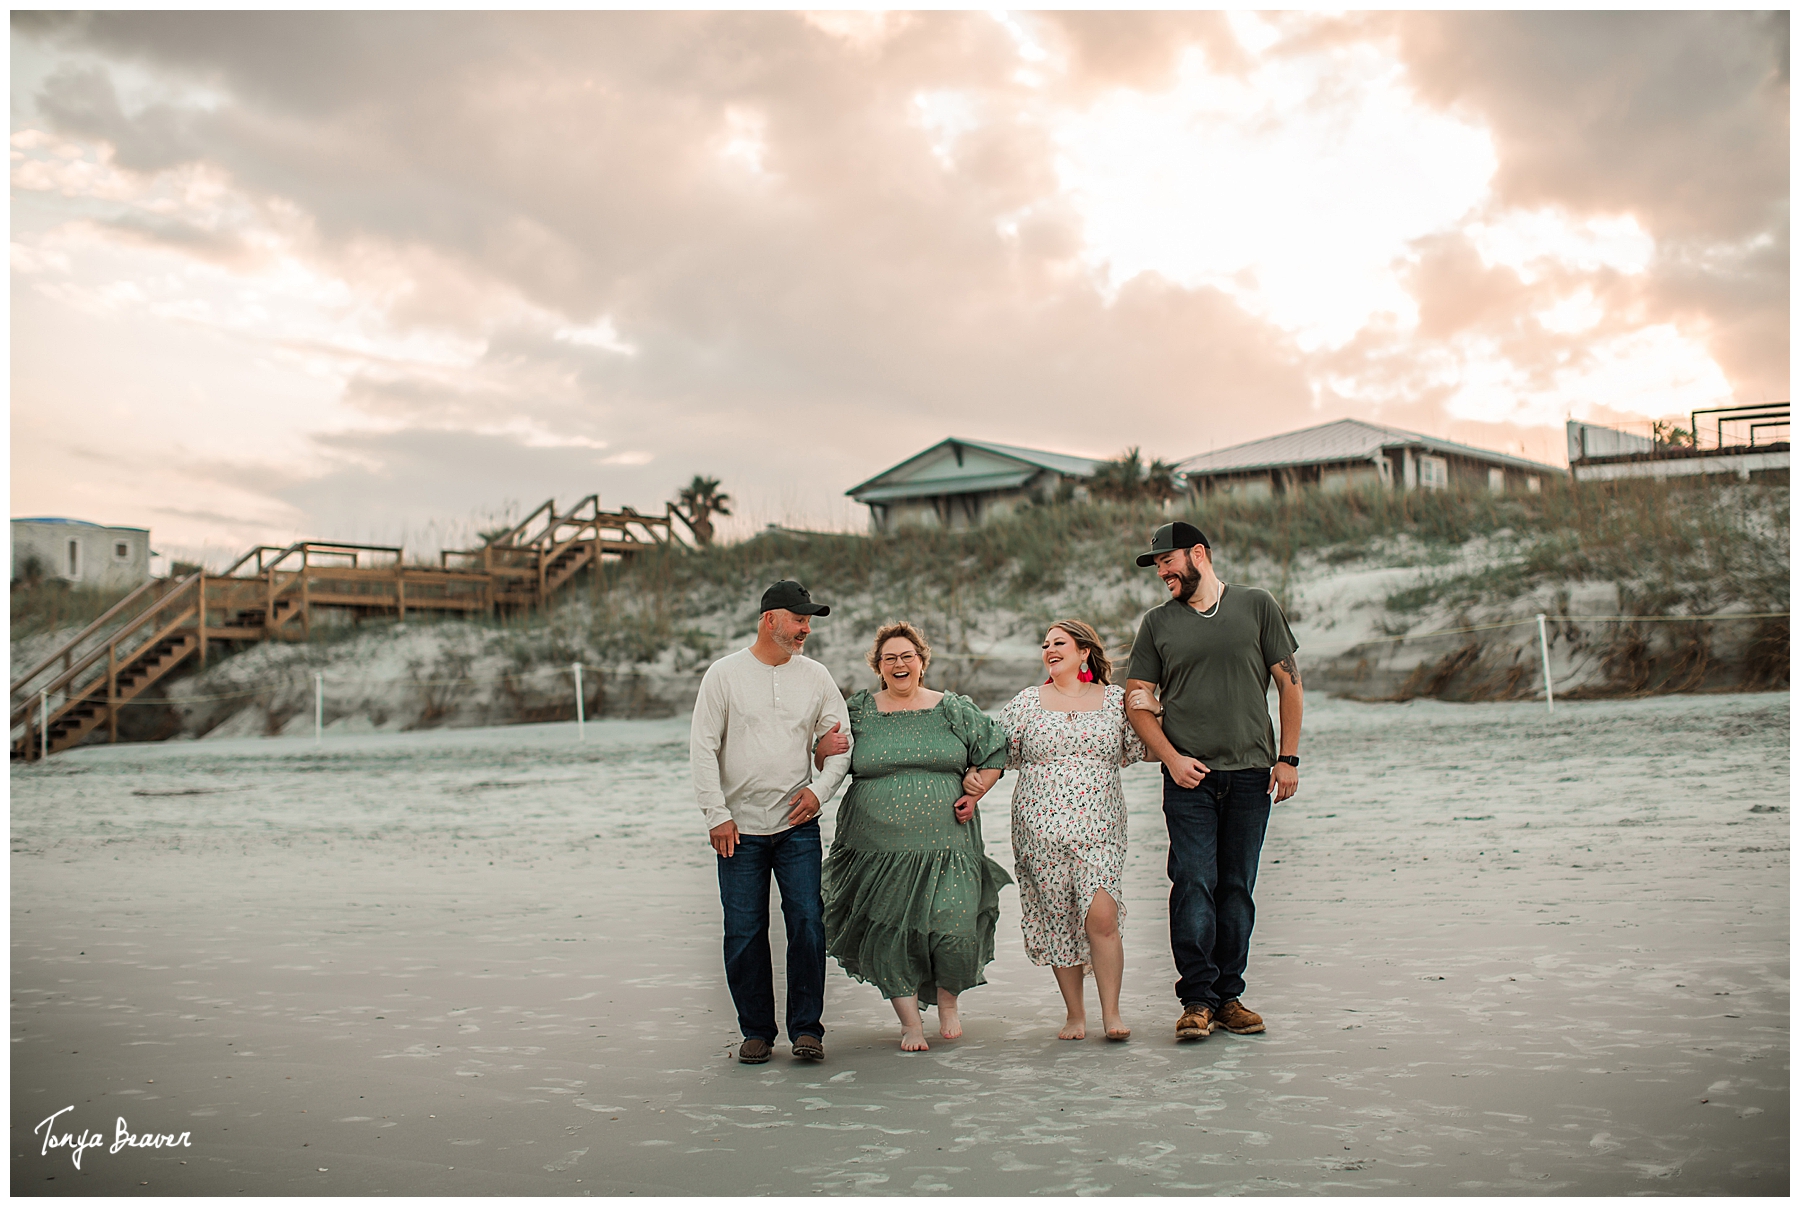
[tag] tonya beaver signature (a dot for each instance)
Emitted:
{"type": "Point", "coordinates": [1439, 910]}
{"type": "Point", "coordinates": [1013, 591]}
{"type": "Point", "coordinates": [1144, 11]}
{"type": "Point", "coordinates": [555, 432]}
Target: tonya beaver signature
{"type": "Point", "coordinates": [123, 1137]}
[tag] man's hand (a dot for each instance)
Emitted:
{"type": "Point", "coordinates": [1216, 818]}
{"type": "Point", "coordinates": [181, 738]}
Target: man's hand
{"type": "Point", "coordinates": [805, 807]}
{"type": "Point", "coordinates": [830, 743]}
{"type": "Point", "coordinates": [724, 838]}
{"type": "Point", "coordinates": [1284, 781]}
{"type": "Point", "coordinates": [1189, 772]}
{"type": "Point", "coordinates": [1143, 701]}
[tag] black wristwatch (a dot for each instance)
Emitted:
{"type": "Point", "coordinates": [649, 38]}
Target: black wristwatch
{"type": "Point", "coordinates": [1292, 760]}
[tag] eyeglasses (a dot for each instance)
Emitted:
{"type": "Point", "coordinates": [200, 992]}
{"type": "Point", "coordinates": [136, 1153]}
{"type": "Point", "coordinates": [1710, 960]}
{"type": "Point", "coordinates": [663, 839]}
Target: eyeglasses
{"type": "Point", "coordinates": [891, 659]}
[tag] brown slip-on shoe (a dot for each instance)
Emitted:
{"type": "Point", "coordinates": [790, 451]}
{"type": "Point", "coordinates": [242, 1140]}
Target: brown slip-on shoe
{"type": "Point", "coordinates": [1239, 1019]}
{"type": "Point", "coordinates": [1196, 1022]}
{"type": "Point", "coordinates": [809, 1047]}
{"type": "Point", "coordinates": [754, 1051]}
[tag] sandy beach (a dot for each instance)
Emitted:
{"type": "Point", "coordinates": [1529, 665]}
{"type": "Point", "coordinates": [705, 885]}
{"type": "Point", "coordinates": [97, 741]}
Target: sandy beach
{"type": "Point", "coordinates": [1499, 953]}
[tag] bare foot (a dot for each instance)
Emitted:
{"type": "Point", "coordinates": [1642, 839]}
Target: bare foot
{"type": "Point", "coordinates": [949, 1023]}
{"type": "Point", "coordinates": [1075, 1028]}
{"type": "Point", "coordinates": [912, 1039]}
{"type": "Point", "coordinates": [1116, 1029]}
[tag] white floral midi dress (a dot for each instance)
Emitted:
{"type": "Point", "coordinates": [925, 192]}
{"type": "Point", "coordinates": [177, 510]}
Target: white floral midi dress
{"type": "Point", "coordinates": [1068, 817]}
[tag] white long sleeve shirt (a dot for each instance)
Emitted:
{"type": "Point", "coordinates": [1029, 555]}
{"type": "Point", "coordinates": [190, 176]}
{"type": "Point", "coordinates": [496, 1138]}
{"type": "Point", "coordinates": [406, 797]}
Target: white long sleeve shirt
{"type": "Point", "coordinates": [751, 744]}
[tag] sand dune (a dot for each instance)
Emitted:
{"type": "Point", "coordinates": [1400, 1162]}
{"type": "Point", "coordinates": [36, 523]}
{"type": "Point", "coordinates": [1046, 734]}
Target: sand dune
{"type": "Point", "coordinates": [1499, 953]}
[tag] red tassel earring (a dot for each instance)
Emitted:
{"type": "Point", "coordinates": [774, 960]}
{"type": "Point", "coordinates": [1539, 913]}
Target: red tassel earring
{"type": "Point", "coordinates": [1086, 676]}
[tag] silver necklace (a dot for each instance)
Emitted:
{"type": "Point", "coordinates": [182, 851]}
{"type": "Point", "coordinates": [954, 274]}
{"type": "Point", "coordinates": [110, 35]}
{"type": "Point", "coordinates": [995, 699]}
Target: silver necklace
{"type": "Point", "coordinates": [1214, 610]}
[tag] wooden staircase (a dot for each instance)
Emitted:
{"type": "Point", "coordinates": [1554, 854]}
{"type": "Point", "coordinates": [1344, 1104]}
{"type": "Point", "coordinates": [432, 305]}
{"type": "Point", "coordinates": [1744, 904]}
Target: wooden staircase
{"type": "Point", "coordinates": [55, 714]}
{"type": "Point", "coordinates": [85, 710]}
{"type": "Point", "coordinates": [540, 554]}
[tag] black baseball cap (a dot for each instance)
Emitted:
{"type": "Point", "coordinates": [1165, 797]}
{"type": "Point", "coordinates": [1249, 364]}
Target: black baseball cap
{"type": "Point", "coordinates": [1170, 537]}
{"type": "Point", "coordinates": [791, 595]}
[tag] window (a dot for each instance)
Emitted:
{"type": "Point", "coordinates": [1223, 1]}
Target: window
{"type": "Point", "coordinates": [1434, 473]}
{"type": "Point", "coordinates": [122, 551]}
{"type": "Point", "coordinates": [74, 559]}
{"type": "Point", "coordinates": [1497, 480]}
{"type": "Point", "coordinates": [1531, 483]}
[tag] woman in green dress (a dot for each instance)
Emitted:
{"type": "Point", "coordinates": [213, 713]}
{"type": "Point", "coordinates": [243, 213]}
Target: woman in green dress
{"type": "Point", "coordinates": [911, 898]}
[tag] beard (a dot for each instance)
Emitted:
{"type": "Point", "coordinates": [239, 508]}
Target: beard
{"type": "Point", "coordinates": [791, 642]}
{"type": "Point", "coordinates": [1190, 582]}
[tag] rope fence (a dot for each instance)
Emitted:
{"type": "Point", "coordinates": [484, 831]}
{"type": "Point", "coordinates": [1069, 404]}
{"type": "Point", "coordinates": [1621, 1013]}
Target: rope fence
{"type": "Point", "coordinates": [1542, 620]}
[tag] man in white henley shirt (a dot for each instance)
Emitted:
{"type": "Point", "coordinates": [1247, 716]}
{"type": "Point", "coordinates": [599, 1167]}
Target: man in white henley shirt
{"type": "Point", "coordinates": [761, 714]}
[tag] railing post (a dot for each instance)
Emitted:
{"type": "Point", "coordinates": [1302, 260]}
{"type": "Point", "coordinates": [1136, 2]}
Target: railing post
{"type": "Point", "coordinates": [44, 722]}
{"type": "Point", "coordinates": [112, 692]}
{"type": "Point", "coordinates": [200, 628]}
{"type": "Point", "coordinates": [400, 590]}
{"type": "Point", "coordinates": [305, 605]}
{"type": "Point", "coordinates": [269, 606]}
{"type": "Point", "coordinates": [1544, 649]}
{"type": "Point", "coordinates": [580, 708]}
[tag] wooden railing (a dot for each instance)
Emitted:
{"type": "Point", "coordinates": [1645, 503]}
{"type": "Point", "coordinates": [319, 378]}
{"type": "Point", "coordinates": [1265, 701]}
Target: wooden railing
{"type": "Point", "coordinates": [65, 649]}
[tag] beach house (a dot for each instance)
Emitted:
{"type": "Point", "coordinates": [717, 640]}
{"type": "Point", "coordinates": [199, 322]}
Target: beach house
{"type": "Point", "coordinates": [963, 483]}
{"type": "Point", "coordinates": [76, 551]}
{"type": "Point", "coordinates": [1350, 453]}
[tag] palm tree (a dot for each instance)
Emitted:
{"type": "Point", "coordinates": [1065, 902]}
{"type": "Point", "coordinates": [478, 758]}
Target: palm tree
{"type": "Point", "coordinates": [1126, 479]}
{"type": "Point", "coordinates": [700, 500]}
{"type": "Point", "coordinates": [1161, 481]}
{"type": "Point", "coordinates": [1120, 479]}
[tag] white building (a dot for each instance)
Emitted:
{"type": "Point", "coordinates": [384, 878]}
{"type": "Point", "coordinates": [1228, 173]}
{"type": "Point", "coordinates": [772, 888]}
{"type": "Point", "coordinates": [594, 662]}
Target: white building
{"type": "Point", "coordinates": [91, 555]}
{"type": "Point", "coordinates": [1603, 454]}
{"type": "Point", "coordinates": [1352, 454]}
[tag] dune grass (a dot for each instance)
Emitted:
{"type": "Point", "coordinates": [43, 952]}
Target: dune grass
{"type": "Point", "coordinates": [1687, 548]}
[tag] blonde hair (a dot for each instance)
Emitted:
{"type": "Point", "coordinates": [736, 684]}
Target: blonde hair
{"type": "Point", "coordinates": [891, 630]}
{"type": "Point", "coordinates": [1089, 643]}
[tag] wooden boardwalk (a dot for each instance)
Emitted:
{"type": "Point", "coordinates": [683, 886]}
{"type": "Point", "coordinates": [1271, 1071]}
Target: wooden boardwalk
{"type": "Point", "coordinates": [270, 594]}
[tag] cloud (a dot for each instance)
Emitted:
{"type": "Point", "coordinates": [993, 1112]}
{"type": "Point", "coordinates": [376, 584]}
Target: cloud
{"type": "Point", "coordinates": [787, 250]}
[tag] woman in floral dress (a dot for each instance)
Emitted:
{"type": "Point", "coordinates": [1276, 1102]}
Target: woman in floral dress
{"type": "Point", "coordinates": [1068, 737]}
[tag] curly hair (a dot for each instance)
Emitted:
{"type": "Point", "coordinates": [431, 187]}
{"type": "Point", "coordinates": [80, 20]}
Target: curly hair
{"type": "Point", "coordinates": [899, 628]}
{"type": "Point", "coordinates": [1089, 643]}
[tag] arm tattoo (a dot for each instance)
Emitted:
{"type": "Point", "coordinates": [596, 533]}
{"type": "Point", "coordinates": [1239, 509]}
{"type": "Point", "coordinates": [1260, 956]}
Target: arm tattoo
{"type": "Point", "coordinates": [1291, 668]}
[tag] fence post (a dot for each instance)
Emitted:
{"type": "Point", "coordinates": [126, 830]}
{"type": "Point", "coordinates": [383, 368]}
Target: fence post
{"type": "Point", "coordinates": [44, 723]}
{"type": "Point", "coordinates": [580, 708]}
{"type": "Point", "coordinates": [1544, 649]}
{"type": "Point", "coordinates": [318, 708]}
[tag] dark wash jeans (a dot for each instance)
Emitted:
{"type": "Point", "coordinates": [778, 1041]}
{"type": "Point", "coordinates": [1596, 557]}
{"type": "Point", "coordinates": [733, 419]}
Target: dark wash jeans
{"type": "Point", "coordinates": [1215, 841]}
{"type": "Point", "coordinates": [793, 856]}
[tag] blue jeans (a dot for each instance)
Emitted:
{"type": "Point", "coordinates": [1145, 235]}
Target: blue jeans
{"type": "Point", "coordinates": [1215, 840]}
{"type": "Point", "coordinates": [793, 856]}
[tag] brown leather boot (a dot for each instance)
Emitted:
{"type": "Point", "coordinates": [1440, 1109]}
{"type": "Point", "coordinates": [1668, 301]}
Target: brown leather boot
{"type": "Point", "coordinates": [1239, 1019]}
{"type": "Point", "coordinates": [754, 1051]}
{"type": "Point", "coordinates": [1196, 1022]}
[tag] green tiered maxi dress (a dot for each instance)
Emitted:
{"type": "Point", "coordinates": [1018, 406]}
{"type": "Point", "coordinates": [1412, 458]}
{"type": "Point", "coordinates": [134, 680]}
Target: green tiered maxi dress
{"type": "Point", "coordinates": [911, 898]}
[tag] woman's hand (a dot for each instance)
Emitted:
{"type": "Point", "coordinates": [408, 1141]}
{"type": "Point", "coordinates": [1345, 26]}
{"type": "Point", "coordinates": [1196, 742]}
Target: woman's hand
{"type": "Point", "coordinates": [977, 781]}
{"type": "Point", "coordinates": [1142, 701]}
{"type": "Point", "coordinates": [831, 743]}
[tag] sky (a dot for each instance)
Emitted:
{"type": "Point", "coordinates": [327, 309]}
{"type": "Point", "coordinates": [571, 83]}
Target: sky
{"type": "Point", "coordinates": [393, 277]}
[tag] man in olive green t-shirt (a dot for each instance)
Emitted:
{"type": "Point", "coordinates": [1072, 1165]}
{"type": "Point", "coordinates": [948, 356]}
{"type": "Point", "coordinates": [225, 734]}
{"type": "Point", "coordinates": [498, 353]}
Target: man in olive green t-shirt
{"type": "Point", "coordinates": [1198, 694]}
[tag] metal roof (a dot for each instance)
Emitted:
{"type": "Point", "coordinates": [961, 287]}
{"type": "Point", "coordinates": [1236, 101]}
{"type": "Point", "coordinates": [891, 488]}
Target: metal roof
{"type": "Point", "coordinates": [56, 519]}
{"type": "Point", "coordinates": [1342, 440]}
{"type": "Point", "coordinates": [921, 474]}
